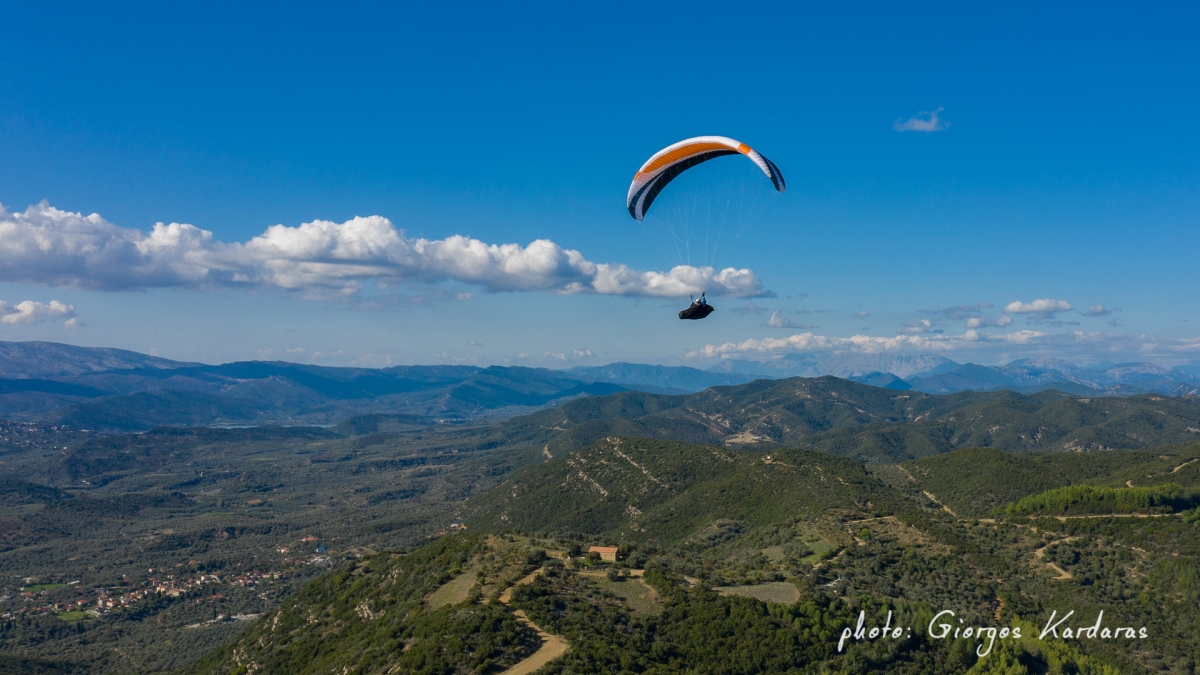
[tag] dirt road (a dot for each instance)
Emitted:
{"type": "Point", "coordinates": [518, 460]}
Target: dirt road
{"type": "Point", "coordinates": [552, 647]}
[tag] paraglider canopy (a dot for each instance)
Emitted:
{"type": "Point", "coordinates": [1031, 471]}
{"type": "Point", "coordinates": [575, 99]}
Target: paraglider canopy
{"type": "Point", "coordinates": [666, 164]}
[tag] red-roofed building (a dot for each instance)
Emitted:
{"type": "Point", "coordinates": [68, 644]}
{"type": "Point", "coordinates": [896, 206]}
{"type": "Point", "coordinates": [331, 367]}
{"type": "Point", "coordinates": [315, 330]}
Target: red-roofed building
{"type": "Point", "coordinates": [607, 553]}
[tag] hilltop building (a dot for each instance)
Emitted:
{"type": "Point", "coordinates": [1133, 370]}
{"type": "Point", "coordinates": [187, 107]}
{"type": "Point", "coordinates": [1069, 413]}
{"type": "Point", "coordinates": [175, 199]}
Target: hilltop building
{"type": "Point", "coordinates": [607, 553]}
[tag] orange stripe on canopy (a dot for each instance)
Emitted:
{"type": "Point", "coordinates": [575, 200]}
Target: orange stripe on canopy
{"type": "Point", "coordinates": [683, 153]}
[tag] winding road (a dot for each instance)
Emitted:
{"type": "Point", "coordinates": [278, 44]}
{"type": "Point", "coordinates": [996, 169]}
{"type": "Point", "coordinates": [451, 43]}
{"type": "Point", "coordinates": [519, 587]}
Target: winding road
{"type": "Point", "coordinates": [552, 647]}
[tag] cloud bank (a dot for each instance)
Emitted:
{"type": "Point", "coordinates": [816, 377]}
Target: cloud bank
{"type": "Point", "coordinates": [1029, 342]}
{"type": "Point", "coordinates": [808, 342]}
{"type": "Point", "coordinates": [48, 246]}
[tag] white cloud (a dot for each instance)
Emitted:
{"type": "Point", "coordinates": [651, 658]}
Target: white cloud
{"type": "Point", "coordinates": [49, 246]}
{"type": "Point", "coordinates": [777, 320]}
{"type": "Point", "coordinates": [972, 345]}
{"type": "Point", "coordinates": [922, 121]}
{"type": "Point", "coordinates": [562, 356]}
{"type": "Point", "coordinates": [915, 328]}
{"type": "Point", "coordinates": [1043, 306]}
{"type": "Point", "coordinates": [31, 312]}
{"type": "Point", "coordinates": [982, 322]}
{"type": "Point", "coordinates": [1185, 345]}
{"type": "Point", "coordinates": [1097, 310]}
{"type": "Point", "coordinates": [808, 342]}
{"type": "Point", "coordinates": [863, 315]}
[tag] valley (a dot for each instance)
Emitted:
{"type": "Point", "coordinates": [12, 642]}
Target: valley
{"type": "Point", "coordinates": [755, 520]}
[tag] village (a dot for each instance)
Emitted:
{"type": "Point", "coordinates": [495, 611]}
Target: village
{"type": "Point", "coordinates": [186, 579]}
{"type": "Point", "coordinates": [37, 436]}
{"type": "Point", "coordinates": [36, 598]}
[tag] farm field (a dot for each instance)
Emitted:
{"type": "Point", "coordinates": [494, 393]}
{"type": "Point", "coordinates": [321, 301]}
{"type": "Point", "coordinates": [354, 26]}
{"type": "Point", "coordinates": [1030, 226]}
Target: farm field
{"type": "Point", "coordinates": [780, 592]}
{"type": "Point", "coordinates": [454, 591]}
{"type": "Point", "coordinates": [633, 590]}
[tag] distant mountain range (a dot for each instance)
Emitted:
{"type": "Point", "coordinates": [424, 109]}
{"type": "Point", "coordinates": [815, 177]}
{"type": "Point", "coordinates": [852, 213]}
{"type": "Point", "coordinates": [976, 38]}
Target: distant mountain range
{"type": "Point", "coordinates": [938, 375]}
{"type": "Point", "coordinates": [116, 390]}
{"type": "Point", "coordinates": [662, 379]}
{"type": "Point", "coordinates": [1039, 374]}
{"type": "Point", "coordinates": [846, 366]}
{"type": "Point", "coordinates": [119, 390]}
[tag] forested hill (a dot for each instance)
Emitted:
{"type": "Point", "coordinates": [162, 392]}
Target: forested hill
{"type": "Point", "coordinates": [49, 360]}
{"type": "Point", "coordinates": [636, 489]}
{"type": "Point", "coordinates": [870, 423]}
{"type": "Point", "coordinates": [977, 481]}
{"type": "Point", "coordinates": [741, 563]}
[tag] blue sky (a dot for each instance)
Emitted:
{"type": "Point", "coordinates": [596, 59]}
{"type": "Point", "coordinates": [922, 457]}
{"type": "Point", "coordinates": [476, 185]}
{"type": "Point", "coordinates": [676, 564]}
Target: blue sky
{"type": "Point", "coordinates": [1063, 168]}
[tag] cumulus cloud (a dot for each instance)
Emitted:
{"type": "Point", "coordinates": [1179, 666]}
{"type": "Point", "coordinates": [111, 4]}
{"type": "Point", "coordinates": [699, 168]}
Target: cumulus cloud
{"type": "Point", "coordinates": [45, 245]}
{"type": "Point", "coordinates": [31, 312]}
{"type": "Point", "coordinates": [863, 315]}
{"type": "Point", "coordinates": [922, 121]}
{"type": "Point", "coordinates": [1043, 306]}
{"type": "Point", "coordinates": [981, 322]}
{"type": "Point", "coordinates": [1097, 310]}
{"type": "Point", "coordinates": [778, 320]}
{"type": "Point", "coordinates": [915, 328]}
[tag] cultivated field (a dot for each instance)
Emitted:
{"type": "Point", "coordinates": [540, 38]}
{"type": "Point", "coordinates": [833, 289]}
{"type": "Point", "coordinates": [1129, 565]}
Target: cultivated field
{"type": "Point", "coordinates": [454, 591]}
{"type": "Point", "coordinates": [781, 592]}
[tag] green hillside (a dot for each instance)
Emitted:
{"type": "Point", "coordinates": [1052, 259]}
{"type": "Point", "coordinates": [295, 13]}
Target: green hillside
{"type": "Point", "coordinates": [662, 491]}
{"type": "Point", "coordinates": [697, 523]}
{"type": "Point", "coordinates": [974, 482]}
{"type": "Point", "coordinates": [868, 423]}
{"type": "Point", "coordinates": [371, 617]}
{"type": "Point", "coordinates": [1046, 422]}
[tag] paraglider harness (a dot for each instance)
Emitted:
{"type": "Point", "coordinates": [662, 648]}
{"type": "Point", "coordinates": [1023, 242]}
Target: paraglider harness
{"type": "Point", "coordinates": [698, 309]}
